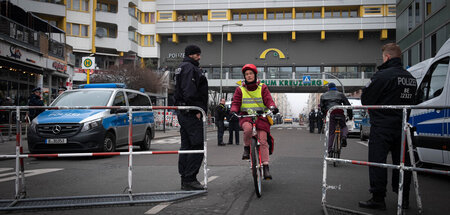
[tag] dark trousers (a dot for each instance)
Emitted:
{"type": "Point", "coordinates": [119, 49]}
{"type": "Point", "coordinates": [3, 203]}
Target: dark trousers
{"type": "Point", "coordinates": [191, 139]}
{"type": "Point", "coordinates": [233, 127]}
{"type": "Point", "coordinates": [381, 142]}
{"type": "Point", "coordinates": [320, 126]}
{"type": "Point", "coordinates": [220, 131]}
{"type": "Point", "coordinates": [311, 126]}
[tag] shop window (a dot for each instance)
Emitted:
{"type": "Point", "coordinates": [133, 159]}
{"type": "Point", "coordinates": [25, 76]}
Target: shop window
{"type": "Point", "coordinates": [279, 73]}
{"type": "Point", "coordinates": [434, 81]}
{"type": "Point", "coordinates": [78, 5]}
{"type": "Point", "coordinates": [236, 73]}
{"type": "Point", "coordinates": [215, 74]}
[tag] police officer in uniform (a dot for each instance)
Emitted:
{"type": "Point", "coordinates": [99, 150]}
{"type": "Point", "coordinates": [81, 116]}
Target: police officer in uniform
{"type": "Point", "coordinates": [391, 85]}
{"type": "Point", "coordinates": [319, 121]}
{"type": "Point", "coordinates": [191, 89]}
{"type": "Point", "coordinates": [220, 112]}
{"type": "Point", "coordinates": [35, 99]}
{"type": "Point", "coordinates": [312, 121]}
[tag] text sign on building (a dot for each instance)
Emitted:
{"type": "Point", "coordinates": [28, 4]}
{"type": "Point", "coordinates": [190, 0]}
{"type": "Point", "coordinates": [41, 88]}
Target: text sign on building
{"type": "Point", "coordinates": [307, 79]}
{"type": "Point", "coordinates": [88, 63]}
{"type": "Point", "coordinates": [294, 83]}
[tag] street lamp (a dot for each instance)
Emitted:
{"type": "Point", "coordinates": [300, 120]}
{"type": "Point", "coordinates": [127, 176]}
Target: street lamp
{"type": "Point", "coordinates": [221, 54]}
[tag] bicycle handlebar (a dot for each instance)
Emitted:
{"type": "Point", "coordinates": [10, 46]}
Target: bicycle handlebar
{"type": "Point", "coordinates": [269, 112]}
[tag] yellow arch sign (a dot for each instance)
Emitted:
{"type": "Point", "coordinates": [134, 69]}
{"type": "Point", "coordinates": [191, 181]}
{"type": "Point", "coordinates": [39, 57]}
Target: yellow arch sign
{"type": "Point", "coordinates": [279, 52]}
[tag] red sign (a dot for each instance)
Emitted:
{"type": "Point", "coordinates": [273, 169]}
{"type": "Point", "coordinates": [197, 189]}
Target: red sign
{"type": "Point", "coordinates": [59, 66]}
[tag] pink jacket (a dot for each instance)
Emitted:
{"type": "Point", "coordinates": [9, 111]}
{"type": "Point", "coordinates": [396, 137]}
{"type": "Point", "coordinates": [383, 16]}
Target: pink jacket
{"type": "Point", "coordinates": [261, 122]}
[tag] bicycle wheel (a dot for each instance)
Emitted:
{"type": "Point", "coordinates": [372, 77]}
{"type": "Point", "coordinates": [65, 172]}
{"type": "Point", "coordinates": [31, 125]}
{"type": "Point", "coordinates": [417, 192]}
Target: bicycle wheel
{"type": "Point", "coordinates": [336, 147]}
{"type": "Point", "coordinates": [256, 167]}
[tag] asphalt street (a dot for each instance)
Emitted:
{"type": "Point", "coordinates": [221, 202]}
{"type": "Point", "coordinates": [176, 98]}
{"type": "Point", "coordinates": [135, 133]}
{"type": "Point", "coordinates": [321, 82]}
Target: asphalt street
{"type": "Point", "coordinates": [296, 167]}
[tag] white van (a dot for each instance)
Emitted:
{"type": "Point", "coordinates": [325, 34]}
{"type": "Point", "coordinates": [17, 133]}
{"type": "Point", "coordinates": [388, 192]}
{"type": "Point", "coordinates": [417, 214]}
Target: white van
{"type": "Point", "coordinates": [432, 127]}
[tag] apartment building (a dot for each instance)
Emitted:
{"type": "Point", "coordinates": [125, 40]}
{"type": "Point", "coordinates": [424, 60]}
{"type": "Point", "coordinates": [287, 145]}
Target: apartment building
{"type": "Point", "coordinates": [423, 26]}
{"type": "Point", "coordinates": [284, 38]}
{"type": "Point", "coordinates": [115, 32]}
{"type": "Point", "coordinates": [33, 53]}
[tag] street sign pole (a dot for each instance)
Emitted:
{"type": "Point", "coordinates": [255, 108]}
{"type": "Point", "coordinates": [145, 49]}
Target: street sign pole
{"type": "Point", "coordinates": [87, 72]}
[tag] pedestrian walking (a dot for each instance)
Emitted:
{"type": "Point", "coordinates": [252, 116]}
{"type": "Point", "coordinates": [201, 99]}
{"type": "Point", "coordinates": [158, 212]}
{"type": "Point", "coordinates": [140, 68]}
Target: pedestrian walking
{"type": "Point", "coordinates": [233, 127]}
{"type": "Point", "coordinates": [35, 99]}
{"type": "Point", "coordinates": [312, 121]}
{"type": "Point", "coordinates": [391, 85]}
{"type": "Point", "coordinates": [191, 89]}
{"type": "Point", "coordinates": [220, 113]}
{"type": "Point", "coordinates": [319, 121]}
{"type": "Point", "coordinates": [329, 99]}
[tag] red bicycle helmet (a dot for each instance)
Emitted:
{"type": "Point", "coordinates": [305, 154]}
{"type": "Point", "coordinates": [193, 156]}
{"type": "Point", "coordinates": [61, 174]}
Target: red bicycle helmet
{"type": "Point", "coordinates": [251, 67]}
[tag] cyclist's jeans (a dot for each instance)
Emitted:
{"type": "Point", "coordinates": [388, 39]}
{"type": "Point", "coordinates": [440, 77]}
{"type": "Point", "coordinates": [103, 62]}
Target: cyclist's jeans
{"type": "Point", "coordinates": [344, 129]}
{"type": "Point", "coordinates": [262, 137]}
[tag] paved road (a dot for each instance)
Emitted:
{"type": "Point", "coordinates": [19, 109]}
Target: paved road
{"type": "Point", "coordinates": [296, 188]}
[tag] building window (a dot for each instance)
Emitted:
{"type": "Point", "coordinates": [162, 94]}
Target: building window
{"type": "Point", "coordinates": [148, 18]}
{"type": "Point", "coordinates": [433, 6]}
{"type": "Point", "coordinates": [78, 5]}
{"type": "Point", "coordinates": [192, 16]}
{"type": "Point", "coordinates": [418, 11]}
{"type": "Point", "coordinates": [248, 15]}
{"type": "Point", "coordinates": [373, 10]}
{"type": "Point", "coordinates": [109, 29]}
{"type": "Point", "coordinates": [236, 73]}
{"type": "Point", "coordinates": [165, 16]}
{"type": "Point", "coordinates": [344, 72]}
{"type": "Point", "coordinates": [77, 30]}
{"type": "Point", "coordinates": [106, 6]}
{"type": "Point", "coordinates": [391, 10]}
{"type": "Point", "coordinates": [300, 72]}
{"type": "Point", "coordinates": [215, 74]}
{"type": "Point", "coordinates": [148, 40]}
{"type": "Point", "coordinates": [279, 73]}
{"type": "Point", "coordinates": [219, 15]}
{"type": "Point", "coordinates": [369, 71]}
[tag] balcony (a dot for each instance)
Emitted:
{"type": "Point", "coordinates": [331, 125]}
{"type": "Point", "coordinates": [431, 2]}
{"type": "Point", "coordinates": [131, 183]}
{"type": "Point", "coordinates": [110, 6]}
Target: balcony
{"type": "Point", "coordinates": [50, 7]}
{"type": "Point", "coordinates": [107, 17]}
{"type": "Point", "coordinates": [17, 33]}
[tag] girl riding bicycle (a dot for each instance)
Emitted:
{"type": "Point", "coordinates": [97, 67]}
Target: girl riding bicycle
{"type": "Point", "coordinates": [253, 96]}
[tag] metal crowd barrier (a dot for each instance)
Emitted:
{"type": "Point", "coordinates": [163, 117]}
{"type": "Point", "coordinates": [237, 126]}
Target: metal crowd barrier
{"type": "Point", "coordinates": [20, 201]}
{"type": "Point", "coordinates": [406, 139]}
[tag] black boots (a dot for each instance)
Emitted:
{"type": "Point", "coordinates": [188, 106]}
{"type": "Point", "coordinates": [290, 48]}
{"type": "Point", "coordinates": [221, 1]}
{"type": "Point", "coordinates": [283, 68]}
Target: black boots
{"type": "Point", "coordinates": [246, 154]}
{"type": "Point", "coordinates": [373, 204]}
{"type": "Point", "coordinates": [193, 185]}
{"type": "Point", "coordinates": [344, 142]}
{"type": "Point", "coordinates": [267, 175]}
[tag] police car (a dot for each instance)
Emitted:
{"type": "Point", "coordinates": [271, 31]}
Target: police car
{"type": "Point", "coordinates": [74, 130]}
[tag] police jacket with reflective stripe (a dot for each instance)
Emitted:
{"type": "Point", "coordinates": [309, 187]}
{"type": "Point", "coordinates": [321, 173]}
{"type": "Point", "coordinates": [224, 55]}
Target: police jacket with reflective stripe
{"type": "Point", "coordinates": [391, 85]}
{"type": "Point", "coordinates": [191, 86]}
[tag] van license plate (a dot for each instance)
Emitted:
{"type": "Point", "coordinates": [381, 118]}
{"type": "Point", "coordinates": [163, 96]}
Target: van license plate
{"type": "Point", "coordinates": [56, 141]}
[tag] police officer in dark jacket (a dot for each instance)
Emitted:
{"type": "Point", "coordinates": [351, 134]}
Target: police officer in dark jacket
{"type": "Point", "coordinates": [391, 85]}
{"type": "Point", "coordinates": [319, 121]}
{"type": "Point", "coordinates": [220, 112]}
{"type": "Point", "coordinates": [35, 99]}
{"type": "Point", "coordinates": [312, 121]}
{"type": "Point", "coordinates": [191, 89]}
{"type": "Point", "coordinates": [233, 127]}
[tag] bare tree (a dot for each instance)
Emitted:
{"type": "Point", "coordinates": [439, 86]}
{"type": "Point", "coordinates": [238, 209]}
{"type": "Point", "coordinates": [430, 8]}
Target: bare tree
{"type": "Point", "coordinates": [134, 77]}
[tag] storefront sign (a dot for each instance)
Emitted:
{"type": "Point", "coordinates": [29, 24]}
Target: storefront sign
{"type": "Point", "coordinates": [21, 55]}
{"type": "Point", "coordinates": [276, 53]}
{"type": "Point", "coordinates": [59, 66]}
{"type": "Point", "coordinates": [295, 83]}
{"type": "Point", "coordinates": [176, 55]}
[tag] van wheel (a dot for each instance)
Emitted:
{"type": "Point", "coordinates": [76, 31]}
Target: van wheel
{"type": "Point", "coordinates": [109, 143]}
{"type": "Point", "coordinates": [145, 145]}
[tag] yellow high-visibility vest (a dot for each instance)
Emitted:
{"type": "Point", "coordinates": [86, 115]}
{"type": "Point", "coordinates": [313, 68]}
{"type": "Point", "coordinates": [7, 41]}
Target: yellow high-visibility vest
{"type": "Point", "coordinates": [252, 100]}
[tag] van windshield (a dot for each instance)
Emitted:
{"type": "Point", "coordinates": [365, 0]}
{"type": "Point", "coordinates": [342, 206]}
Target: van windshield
{"type": "Point", "coordinates": [83, 98]}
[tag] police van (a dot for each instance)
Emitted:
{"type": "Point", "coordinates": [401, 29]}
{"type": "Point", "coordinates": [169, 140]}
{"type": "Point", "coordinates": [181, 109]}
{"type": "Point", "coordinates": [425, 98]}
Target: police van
{"type": "Point", "coordinates": [76, 130]}
{"type": "Point", "coordinates": [431, 126]}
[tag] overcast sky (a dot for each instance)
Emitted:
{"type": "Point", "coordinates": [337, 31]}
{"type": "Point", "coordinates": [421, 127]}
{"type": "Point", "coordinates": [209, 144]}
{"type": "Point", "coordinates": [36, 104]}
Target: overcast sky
{"type": "Point", "coordinates": [298, 101]}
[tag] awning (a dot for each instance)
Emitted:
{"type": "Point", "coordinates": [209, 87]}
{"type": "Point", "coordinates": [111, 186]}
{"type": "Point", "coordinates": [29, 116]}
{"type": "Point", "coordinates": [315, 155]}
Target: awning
{"type": "Point", "coordinates": [20, 65]}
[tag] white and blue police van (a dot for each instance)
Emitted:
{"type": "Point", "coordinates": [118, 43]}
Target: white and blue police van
{"type": "Point", "coordinates": [82, 130]}
{"type": "Point", "coordinates": [431, 127]}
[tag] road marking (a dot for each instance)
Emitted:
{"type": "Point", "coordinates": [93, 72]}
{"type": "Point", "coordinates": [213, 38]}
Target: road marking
{"type": "Point", "coordinates": [158, 208]}
{"type": "Point", "coordinates": [280, 128]}
{"type": "Point", "coordinates": [28, 173]}
{"type": "Point", "coordinates": [299, 128]}
{"type": "Point", "coordinates": [5, 169]}
{"type": "Point", "coordinates": [289, 128]}
{"type": "Point", "coordinates": [362, 143]}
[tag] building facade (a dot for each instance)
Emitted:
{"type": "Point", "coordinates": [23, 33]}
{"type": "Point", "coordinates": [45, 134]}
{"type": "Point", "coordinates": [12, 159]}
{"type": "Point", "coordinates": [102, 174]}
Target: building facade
{"type": "Point", "coordinates": [115, 32]}
{"type": "Point", "coordinates": [284, 39]}
{"type": "Point", "coordinates": [423, 26]}
{"type": "Point", "coordinates": [33, 53]}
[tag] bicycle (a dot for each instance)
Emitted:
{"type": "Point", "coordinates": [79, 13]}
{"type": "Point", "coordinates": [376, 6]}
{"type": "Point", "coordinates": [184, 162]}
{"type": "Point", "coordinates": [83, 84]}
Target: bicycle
{"type": "Point", "coordinates": [337, 145]}
{"type": "Point", "coordinates": [255, 153]}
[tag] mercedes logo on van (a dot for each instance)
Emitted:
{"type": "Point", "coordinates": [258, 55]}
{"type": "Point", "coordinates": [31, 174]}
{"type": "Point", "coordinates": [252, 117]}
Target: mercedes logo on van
{"type": "Point", "coordinates": [56, 129]}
